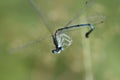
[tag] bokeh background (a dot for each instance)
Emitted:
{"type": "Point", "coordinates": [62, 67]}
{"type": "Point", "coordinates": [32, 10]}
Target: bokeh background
{"type": "Point", "coordinates": [20, 24]}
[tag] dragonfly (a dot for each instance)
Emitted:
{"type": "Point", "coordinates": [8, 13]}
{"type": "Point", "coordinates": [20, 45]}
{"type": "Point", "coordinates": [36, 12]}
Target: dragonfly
{"type": "Point", "coordinates": [60, 39]}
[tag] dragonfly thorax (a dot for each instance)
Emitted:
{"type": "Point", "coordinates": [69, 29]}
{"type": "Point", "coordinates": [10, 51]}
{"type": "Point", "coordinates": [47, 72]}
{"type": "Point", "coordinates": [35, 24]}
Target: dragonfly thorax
{"type": "Point", "coordinates": [61, 40]}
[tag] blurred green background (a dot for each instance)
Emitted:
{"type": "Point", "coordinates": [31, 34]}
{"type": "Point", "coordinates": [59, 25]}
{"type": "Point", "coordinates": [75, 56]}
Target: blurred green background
{"type": "Point", "coordinates": [20, 24]}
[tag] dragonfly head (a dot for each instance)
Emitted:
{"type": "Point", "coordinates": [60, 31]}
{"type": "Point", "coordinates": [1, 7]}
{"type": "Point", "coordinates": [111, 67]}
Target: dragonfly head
{"type": "Point", "coordinates": [58, 50]}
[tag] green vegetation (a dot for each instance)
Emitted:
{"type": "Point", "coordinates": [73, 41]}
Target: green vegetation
{"type": "Point", "coordinates": [19, 24]}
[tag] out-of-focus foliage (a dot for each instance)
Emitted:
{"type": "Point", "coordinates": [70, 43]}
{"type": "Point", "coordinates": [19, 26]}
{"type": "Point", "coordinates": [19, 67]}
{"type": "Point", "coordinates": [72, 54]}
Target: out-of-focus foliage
{"type": "Point", "coordinates": [19, 24]}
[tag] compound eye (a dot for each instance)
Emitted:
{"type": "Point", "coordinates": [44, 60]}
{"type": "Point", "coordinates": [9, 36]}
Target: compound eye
{"type": "Point", "coordinates": [54, 51]}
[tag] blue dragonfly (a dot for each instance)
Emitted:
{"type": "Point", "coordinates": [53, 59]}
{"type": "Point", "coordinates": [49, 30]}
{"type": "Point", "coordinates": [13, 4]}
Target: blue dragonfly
{"type": "Point", "coordinates": [60, 39]}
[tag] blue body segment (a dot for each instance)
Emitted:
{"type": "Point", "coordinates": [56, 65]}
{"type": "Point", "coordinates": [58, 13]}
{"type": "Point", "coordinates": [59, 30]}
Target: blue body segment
{"type": "Point", "coordinates": [79, 25]}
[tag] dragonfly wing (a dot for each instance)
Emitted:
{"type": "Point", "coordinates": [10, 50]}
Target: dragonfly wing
{"type": "Point", "coordinates": [28, 44]}
{"type": "Point", "coordinates": [81, 7]}
{"type": "Point", "coordinates": [84, 6]}
{"type": "Point", "coordinates": [96, 19]}
{"type": "Point", "coordinates": [41, 14]}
